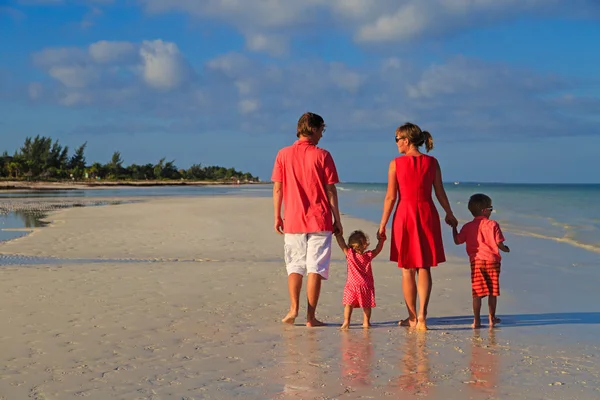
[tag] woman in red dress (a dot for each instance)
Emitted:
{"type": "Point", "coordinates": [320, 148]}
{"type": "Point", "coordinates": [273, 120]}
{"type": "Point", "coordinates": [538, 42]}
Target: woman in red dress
{"type": "Point", "coordinates": [416, 243]}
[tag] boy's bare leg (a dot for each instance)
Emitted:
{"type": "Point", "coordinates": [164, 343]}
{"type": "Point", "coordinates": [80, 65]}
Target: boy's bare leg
{"type": "Point", "coordinates": [476, 312]}
{"type": "Point", "coordinates": [347, 316]}
{"type": "Point", "coordinates": [294, 287]}
{"type": "Point", "coordinates": [424, 288]}
{"type": "Point", "coordinates": [409, 288]}
{"type": "Point", "coordinates": [366, 317]}
{"type": "Point", "coordinates": [313, 290]}
{"type": "Point", "coordinates": [492, 302]}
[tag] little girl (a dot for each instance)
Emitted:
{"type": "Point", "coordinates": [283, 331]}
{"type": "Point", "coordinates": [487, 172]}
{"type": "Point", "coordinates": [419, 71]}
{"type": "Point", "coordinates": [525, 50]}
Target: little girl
{"type": "Point", "coordinates": [359, 291]}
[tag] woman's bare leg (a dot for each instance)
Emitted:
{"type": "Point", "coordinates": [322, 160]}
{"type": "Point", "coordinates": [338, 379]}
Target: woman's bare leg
{"type": "Point", "coordinates": [424, 286]}
{"type": "Point", "coordinates": [409, 288]}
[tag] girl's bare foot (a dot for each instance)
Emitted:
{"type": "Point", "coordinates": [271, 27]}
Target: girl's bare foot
{"type": "Point", "coordinates": [367, 325]}
{"type": "Point", "coordinates": [410, 322]}
{"type": "Point", "coordinates": [345, 326]}
{"type": "Point", "coordinates": [290, 318]}
{"type": "Point", "coordinates": [314, 323]}
{"type": "Point", "coordinates": [494, 321]}
{"type": "Point", "coordinates": [476, 324]}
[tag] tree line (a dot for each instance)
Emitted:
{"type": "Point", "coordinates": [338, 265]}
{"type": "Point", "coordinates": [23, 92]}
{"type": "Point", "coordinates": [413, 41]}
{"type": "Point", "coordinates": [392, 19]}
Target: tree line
{"type": "Point", "coordinates": [41, 158]}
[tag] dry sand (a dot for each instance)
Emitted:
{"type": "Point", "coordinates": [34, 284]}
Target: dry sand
{"type": "Point", "coordinates": [195, 314]}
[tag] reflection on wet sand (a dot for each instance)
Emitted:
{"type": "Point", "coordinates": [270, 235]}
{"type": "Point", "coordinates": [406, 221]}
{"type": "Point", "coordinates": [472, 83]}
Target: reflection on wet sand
{"type": "Point", "coordinates": [357, 358]}
{"type": "Point", "coordinates": [484, 363]}
{"type": "Point", "coordinates": [414, 364]}
{"type": "Point", "coordinates": [302, 368]}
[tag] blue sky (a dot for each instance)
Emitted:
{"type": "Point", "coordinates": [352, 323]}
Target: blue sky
{"type": "Point", "coordinates": [509, 89]}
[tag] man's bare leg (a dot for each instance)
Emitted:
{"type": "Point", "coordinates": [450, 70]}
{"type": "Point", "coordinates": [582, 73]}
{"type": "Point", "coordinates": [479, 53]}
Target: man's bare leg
{"type": "Point", "coordinates": [476, 312]}
{"type": "Point", "coordinates": [424, 289]}
{"type": "Point", "coordinates": [313, 290]}
{"type": "Point", "coordinates": [347, 315]}
{"type": "Point", "coordinates": [294, 287]}
{"type": "Point", "coordinates": [409, 288]}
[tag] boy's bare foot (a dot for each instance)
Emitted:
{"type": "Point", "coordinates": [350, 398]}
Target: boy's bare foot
{"type": "Point", "coordinates": [494, 321]}
{"type": "Point", "coordinates": [314, 323]}
{"type": "Point", "coordinates": [408, 322]}
{"type": "Point", "coordinates": [345, 326]}
{"type": "Point", "coordinates": [367, 325]}
{"type": "Point", "coordinates": [476, 324]}
{"type": "Point", "coordinates": [290, 318]}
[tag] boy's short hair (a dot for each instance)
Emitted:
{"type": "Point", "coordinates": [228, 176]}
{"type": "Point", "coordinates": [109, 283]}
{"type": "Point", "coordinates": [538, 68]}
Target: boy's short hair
{"type": "Point", "coordinates": [309, 122]}
{"type": "Point", "coordinates": [478, 202]}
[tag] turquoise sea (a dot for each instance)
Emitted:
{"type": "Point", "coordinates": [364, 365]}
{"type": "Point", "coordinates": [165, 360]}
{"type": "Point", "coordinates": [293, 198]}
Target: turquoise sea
{"type": "Point", "coordinates": [552, 272]}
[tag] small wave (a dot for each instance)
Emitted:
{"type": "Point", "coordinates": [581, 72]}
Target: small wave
{"type": "Point", "coordinates": [567, 240]}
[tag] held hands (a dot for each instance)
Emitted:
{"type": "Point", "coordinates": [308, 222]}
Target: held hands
{"type": "Point", "coordinates": [337, 229]}
{"type": "Point", "coordinates": [451, 220]}
{"type": "Point", "coordinates": [381, 233]}
{"type": "Point", "coordinates": [278, 225]}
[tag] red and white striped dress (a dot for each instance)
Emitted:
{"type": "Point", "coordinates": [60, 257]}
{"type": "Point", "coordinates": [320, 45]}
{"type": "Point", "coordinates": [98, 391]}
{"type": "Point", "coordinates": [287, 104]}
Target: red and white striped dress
{"type": "Point", "coordinates": [359, 291]}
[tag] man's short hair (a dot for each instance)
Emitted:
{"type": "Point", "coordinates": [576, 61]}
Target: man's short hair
{"type": "Point", "coordinates": [308, 123]}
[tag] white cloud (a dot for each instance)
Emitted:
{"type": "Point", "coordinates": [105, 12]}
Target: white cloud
{"type": "Point", "coordinates": [163, 65]}
{"type": "Point", "coordinates": [74, 76]}
{"type": "Point", "coordinates": [35, 90]}
{"type": "Point", "coordinates": [248, 106]}
{"type": "Point", "coordinates": [104, 51]}
{"type": "Point", "coordinates": [275, 45]}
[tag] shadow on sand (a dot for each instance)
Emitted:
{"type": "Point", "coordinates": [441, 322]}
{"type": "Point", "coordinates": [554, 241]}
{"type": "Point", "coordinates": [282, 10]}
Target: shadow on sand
{"type": "Point", "coordinates": [514, 320]}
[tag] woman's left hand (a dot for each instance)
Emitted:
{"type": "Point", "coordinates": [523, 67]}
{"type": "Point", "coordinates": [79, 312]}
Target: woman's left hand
{"type": "Point", "coordinates": [451, 220]}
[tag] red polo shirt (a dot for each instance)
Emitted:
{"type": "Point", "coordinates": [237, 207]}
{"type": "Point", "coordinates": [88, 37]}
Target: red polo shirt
{"type": "Point", "coordinates": [304, 170]}
{"type": "Point", "coordinates": [482, 236]}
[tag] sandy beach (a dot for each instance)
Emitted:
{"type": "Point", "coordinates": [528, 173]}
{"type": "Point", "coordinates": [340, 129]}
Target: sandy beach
{"type": "Point", "coordinates": [182, 299]}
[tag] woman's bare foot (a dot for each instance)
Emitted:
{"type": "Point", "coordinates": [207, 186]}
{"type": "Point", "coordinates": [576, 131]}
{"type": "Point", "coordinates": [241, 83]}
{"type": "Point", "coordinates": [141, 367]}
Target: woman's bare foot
{"type": "Point", "coordinates": [422, 324]}
{"type": "Point", "coordinates": [494, 321]}
{"type": "Point", "coordinates": [476, 324]}
{"type": "Point", "coordinates": [345, 326]}
{"type": "Point", "coordinates": [367, 325]}
{"type": "Point", "coordinates": [410, 322]}
{"type": "Point", "coordinates": [290, 318]}
{"type": "Point", "coordinates": [314, 323]}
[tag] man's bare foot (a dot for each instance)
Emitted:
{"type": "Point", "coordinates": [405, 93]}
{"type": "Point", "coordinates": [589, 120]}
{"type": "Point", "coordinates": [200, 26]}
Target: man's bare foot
{"type": "Point", "coordinates": [314, 323]}
{"type": "Point", "coordinates": [290, 318]}
{"type": "Point", "coordinates": [367, 325]}
{"type": "Point", "coordinates": [345, 326]}
{"type": "Point", "coordinates": [476, 324]}
{"type": "Point", "coordinates": [494, 321]}
{"type": "Point", "coordinates": [408, 322]}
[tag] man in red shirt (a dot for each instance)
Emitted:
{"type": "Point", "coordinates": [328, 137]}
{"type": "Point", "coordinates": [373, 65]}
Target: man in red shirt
{"type": "Point", "coordinates": [304, 178]}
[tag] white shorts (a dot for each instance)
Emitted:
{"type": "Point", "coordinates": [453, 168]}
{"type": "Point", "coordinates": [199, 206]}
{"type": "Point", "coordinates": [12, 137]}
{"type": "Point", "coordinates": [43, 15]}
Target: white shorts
{"type": "Point", "coordinates": [308, 253]}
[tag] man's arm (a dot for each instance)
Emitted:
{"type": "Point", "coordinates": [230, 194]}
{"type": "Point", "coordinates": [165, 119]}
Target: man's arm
{"type": "Point", "coordinates": [277, 202]}
{"type": "Point", "coordinates": [333, 203]}
{"type": "Point", "coordinates": [503, 247]}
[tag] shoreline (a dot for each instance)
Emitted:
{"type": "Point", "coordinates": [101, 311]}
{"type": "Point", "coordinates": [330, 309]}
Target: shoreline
{"type": "Point", "coordinates": [78, 185]}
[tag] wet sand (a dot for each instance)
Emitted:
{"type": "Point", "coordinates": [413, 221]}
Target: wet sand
{"type": "Point", "coordinates": [202, 320]}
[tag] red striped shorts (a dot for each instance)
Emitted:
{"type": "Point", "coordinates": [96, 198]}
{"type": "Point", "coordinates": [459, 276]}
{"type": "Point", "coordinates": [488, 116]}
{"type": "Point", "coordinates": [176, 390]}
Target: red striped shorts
{"type": "Point", "coordinates": [485, 278]}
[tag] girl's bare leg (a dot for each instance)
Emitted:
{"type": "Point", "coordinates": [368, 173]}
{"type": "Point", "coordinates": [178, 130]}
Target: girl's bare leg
{"type": "Point", "coordinates": [476, 312]}
{"type": "Point", "coordinates": [409, 288]}
{"type": "Point", "coordinates": [347, 316]}
{"type": "Point", "coordinates": [424, 288]}
{"type": "Point", "coordinates": [366, 317]}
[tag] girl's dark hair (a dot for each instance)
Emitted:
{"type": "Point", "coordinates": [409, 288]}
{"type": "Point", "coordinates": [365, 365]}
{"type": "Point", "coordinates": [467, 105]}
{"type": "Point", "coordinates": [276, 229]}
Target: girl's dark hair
{"type": "Point", "coordinates": [415, 135]}
{"type": "Point", "coordinates": [356, 240]}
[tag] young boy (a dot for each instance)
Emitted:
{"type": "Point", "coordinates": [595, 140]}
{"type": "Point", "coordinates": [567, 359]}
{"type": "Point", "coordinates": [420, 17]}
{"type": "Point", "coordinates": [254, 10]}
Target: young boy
{"type": "Point", "coordinates": [484, 238]}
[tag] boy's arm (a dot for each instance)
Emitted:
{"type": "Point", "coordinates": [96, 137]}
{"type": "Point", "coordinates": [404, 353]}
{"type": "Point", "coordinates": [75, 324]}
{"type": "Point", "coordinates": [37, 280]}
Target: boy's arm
{"type": "Point", "coordinates": [342, 243]}
{"type": "Point", "coordinates": [379, 247]}
{"type": "Point", "coordinates": [503, 247]}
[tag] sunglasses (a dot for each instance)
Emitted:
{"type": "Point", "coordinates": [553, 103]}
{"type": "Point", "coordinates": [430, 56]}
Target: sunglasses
{"type": "Point", "coordinates": [399, 139]}
{"type": "Point", "coordinates": [489, 208]}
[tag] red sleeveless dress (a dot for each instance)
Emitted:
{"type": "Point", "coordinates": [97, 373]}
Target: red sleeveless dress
{"type": "Point", "coordinates": [416, 229]}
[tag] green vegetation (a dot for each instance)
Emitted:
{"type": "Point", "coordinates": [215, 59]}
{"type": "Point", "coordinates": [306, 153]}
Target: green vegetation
{"type": "Point", "coordinates": [41, 159]}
